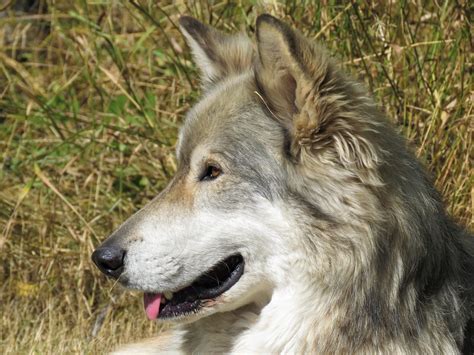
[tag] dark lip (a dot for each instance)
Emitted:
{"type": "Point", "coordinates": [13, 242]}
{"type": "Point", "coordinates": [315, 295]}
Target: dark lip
{"type": "Point", "coordinates": [206, 287]}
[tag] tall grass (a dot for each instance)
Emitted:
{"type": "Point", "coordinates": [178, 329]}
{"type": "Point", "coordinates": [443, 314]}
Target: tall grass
{"type": "Point", "coordinates": [91, 97]}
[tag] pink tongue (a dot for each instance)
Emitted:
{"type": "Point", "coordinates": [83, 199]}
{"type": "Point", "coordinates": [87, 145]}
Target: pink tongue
{"type": "Point", "coordinates": [152, 303]}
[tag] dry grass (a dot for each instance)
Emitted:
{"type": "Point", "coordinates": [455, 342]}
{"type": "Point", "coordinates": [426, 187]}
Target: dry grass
{"type": "Point", "coordinates": [92, 94]}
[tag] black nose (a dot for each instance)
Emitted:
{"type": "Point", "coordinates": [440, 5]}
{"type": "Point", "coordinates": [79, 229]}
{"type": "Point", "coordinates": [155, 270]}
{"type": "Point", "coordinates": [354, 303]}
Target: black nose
{"type": "Point", "coordinates": [109, 260]}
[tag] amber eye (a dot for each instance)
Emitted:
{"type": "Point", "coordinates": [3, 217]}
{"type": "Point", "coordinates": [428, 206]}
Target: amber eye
{"type": "Point", "coordinates": [212, 172]}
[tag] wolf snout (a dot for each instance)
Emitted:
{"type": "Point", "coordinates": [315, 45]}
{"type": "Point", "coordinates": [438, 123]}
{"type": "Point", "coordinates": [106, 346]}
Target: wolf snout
{"type": "Point", "coordinates": [109, 260]}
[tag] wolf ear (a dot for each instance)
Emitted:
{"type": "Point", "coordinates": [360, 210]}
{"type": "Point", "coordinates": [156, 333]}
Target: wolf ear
{"type": "Point", "coordinates": [291, 73]}
{"type": "Point", "coordinates": [303, 89]}
{"type": "Point", "coordinates": [285, 63]}
{"type": "Point", "coordinates": [215, 53]}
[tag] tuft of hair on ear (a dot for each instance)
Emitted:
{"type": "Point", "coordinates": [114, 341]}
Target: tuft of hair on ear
{"type": "Point", "coordinates": [215, 53]}
{"type": "Point", "coordinates": [321, 108]}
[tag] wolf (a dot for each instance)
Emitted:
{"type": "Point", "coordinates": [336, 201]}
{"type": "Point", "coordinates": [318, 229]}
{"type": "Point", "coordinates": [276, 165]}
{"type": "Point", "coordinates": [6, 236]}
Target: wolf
{"type": "Point", "coordinates": [297, 221]}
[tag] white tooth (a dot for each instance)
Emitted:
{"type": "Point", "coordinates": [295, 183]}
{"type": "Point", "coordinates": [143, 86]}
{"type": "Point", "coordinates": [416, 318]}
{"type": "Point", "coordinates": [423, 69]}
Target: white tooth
{"type": "Point", "coordinates": [168, 295]}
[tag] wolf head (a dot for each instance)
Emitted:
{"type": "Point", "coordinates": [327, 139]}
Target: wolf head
{"type": "Point", "coordinates": [288, 178]}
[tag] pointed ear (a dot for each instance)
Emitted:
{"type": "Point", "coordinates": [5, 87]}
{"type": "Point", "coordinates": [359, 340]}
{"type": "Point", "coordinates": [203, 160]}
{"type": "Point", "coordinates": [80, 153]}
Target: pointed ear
{"type": "Point", "coordinates": [215, 53]}
{"type": "Point", "coordinates": [287, 65]}
{"type": "Point", "coordinates": [289, 68]}
{"type": "Point", "coordinates": [303, 89]}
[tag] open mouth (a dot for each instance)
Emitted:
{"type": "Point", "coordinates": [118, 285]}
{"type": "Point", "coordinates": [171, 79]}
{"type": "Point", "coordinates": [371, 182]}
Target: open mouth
{"type": "Point", "coordinates": [190, 299]}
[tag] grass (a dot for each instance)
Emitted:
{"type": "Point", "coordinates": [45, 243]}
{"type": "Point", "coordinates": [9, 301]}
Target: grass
{"type": "Point", "coordinates": [91, 97]}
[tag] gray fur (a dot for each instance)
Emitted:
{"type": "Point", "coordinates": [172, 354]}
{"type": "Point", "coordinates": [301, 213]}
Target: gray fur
{"type": "Point", "coordinates": [381, 266]}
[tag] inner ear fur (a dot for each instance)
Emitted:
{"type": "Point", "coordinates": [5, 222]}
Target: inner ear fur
{"type": "Point", "coordinates": [318, 105]}
{"type": "Point", "coordinates": [216, 54]}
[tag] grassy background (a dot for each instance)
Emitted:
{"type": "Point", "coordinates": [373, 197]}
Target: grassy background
{"type": "Point", "coordinates": [92, 94]}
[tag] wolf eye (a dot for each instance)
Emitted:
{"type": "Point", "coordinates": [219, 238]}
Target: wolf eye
{"type": "Point", "coordinates": [212, 172]}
